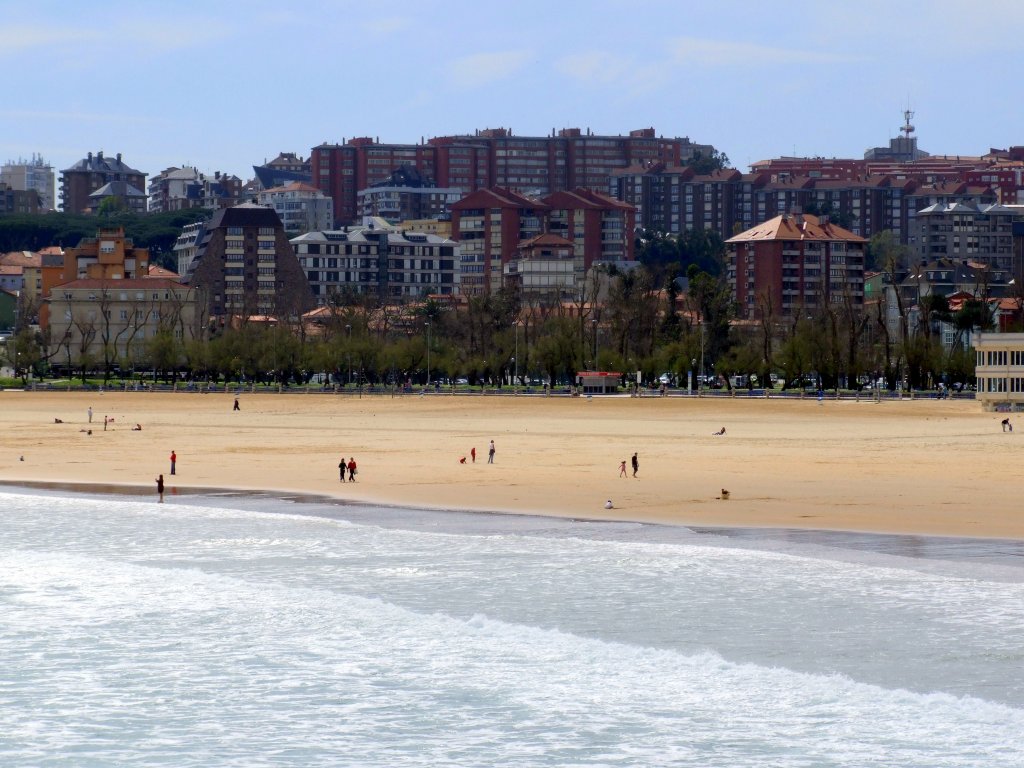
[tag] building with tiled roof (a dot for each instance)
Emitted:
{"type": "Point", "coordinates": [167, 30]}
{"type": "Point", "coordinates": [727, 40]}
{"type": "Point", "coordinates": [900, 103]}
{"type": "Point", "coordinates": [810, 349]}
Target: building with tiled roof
{"type": "Point", "coordinates": [127, 197]}
{"type": "Point", "coordinates": [489, 224]}
{"type": "Point", "coordinates": [795, 263]}
{"type": "Point", "coordinates": [83, 178]}
{"type": "Point", "coordinates": [102, 322]}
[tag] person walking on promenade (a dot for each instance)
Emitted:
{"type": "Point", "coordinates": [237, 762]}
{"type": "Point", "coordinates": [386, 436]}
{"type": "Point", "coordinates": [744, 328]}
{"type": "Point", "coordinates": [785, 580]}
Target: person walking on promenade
{"type": "Point", "coordinates": [622, 468]}
{"type": "Point", "coordinates": [174, 462]}
{"type": "Point", "coordinates": [342, 466]}
{"type": "Point", "coordinates": [472, 453]}
{"type": "Point", "coordinates": [636, 465]}
{"type": "Point", "coordinates": [351, 470]}
{"type": "Point", "coordinates": [160, 488]}
{"type": "Point", "coordinates": [490, 453]}
{"type": "Point", "coordinates": [90, 414]}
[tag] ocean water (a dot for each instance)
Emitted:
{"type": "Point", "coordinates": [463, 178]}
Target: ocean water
{"type": "Point", "coordinates": [253, 631]}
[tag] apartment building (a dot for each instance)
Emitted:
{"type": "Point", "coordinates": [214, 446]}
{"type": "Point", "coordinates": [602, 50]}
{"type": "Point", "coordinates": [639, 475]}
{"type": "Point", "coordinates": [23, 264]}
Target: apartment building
{"type": "Point", "coordinates": [244, 266]}
{"type": "Point", "coordinates": [94, 172]}
{"type": "Point", "coordinates": [99, 320]}
{"type": "Point", "coordinates": [186, 247]}
{"type": "Point", "coordinates": [34, 174]}
{"type": "Point", "coordinates": [19, 200]}
{"type": "Point", "coordinates": [301, 207]}
{"type": "Point", "coordinates": [493, 225]}
{"type": "Point", "coordinates": [386, 262]}
{"type": "Point", "coordinates": [406, 195]}
{"type": "Point", "coordinates": [795, 263]}
{"type": "Point", "coordinates": [600, 227]}
{"type": "Point", "coordinates": [489, 225]}
{"type": "Point", "coordinates": [493, 157]}
{"type": "Point", "coordinates": [966, 231]}
{"type": "Point", "coordinates": [175, 189]}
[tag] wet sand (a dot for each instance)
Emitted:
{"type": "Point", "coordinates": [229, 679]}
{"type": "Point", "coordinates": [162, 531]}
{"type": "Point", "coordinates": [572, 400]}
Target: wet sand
{"type": "Point", "coordinates": [924, 467]}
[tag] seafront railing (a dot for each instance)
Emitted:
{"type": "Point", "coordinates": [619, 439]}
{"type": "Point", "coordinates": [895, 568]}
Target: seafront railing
{"type": "Point", "coordinates": [382, 390]}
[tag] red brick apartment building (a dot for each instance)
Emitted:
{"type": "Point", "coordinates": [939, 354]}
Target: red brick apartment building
{"type": "Point", "coordinates": [492, 224]}
{"type": "Point", "coordinates": [795, 263]}
{"type": "Point", "coordinates": [494, 157]}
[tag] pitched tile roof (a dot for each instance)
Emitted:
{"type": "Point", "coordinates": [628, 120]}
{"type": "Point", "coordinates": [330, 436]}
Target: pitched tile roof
{"type": "Point", "coordinates": [801, 226]}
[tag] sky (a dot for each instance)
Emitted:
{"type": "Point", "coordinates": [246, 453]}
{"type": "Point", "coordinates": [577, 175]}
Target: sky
{"type": "Point", "coordinates": [225, 85]}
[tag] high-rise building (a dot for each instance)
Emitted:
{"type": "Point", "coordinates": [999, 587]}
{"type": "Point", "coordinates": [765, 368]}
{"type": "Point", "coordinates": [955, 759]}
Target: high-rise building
{"type": "Point", "coordinates": [34, 174]}
{"type": "Point", "coordinates": [494, 226]}
{"type": "Point", "coordinates": [494, 157]}
{"type": "Point", "coordinates": [795, 263]}
{"type": "Point", "coordinates": [245, 266]}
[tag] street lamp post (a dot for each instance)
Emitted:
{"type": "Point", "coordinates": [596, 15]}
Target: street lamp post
{"type": "Point", "coordinates": [348, 352]}
{"type": "Point", "coordinates": [428, 354]}
{"type": "Point", "coordinates": [700, 382]}
{"type": "Point", "coordinates": [689, 382]}
{"type": "Point", "coordinates": [515, 360]}
{"type": "Point", "coordinates": [594, 322]}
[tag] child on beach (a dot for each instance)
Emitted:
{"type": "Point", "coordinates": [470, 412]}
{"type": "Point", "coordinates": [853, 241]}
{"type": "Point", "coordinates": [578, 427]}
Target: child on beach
{"type": "Point", "coordinates": [622, 468]}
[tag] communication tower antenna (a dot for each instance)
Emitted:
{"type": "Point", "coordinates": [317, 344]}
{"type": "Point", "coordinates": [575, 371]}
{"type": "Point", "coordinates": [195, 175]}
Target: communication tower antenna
{"type": "Point", "coordinates": [907, 127]}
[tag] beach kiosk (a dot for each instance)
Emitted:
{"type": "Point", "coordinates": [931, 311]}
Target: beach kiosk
{"type": "Point", "coordinates": [598, 382]}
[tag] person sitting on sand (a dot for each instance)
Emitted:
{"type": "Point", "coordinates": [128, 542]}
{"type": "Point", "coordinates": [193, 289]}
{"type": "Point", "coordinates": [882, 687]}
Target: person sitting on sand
{"type": "Point", "coordinates": [137, 428]}
{"type": "Point", "coordinates": [719, 432]}
{"type": "Point", "coordinates": [58, 421]}
{"type": "Point", "coordinates": [608, 504]}
{"type": "Point", "coordinates": [1007, 426]}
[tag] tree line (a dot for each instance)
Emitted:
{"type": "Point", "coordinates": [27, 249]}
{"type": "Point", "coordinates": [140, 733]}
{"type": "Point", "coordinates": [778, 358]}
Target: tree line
{"type": "Point", "coordinates": [671, 313]}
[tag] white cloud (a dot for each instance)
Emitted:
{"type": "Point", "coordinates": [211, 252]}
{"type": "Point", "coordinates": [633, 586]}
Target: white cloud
{"type": "Point", "coordinates": [73, 116]}
{"type": "Point", "coordinates": [596, 68]}
{"type": "Point", "coordinates": [718, 53]}
{"type": "Point", "coordinates": [388, 25]}
{"type": "Point", "coordinates": [16, 38]}
{"type": "Point", "coordinates": [483, 68]}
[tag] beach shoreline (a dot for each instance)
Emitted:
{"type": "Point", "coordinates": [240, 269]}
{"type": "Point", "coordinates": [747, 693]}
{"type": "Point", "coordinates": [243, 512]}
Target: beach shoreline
{"type": "Point", "coordinates": [936, 468]}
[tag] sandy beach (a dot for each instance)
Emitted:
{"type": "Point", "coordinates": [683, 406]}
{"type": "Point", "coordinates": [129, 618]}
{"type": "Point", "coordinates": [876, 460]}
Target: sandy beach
{"type": "Point", "coordinates": [929, 467]}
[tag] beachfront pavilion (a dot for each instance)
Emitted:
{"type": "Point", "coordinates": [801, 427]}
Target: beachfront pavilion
{"type": "Point", "coordinates": [1000, 371]}
{"type": "Point", "coordinates": [598, 382]}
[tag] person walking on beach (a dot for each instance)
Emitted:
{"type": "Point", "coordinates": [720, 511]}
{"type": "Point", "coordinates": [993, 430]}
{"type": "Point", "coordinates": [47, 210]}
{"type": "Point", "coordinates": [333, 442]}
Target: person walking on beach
{"type": "Point", "coordinates": [160, 488]}
{"type": "Point", "coordinates": [1007, 426]}
{"type": "Point", "coordinates": [622, 468]}
{"type": "Point", "coordinates": [341, 469]}
{"type": "Point", "coordinates": [351, 469]}
{"type": "Point", "coordinates": [105, 423]}
{"type": "Point", "coordinates": [636, 465]}
{"type": "Point", "coordinates": [174, 462]}
{"type": "Point", "coordinates": [490, 453]}
{"type": "Point", "coordinates": [90, 414]}
{"type": "Point", "coordinates": [236, 407]}
{"type": "Point", "coordinates": [472, 453]}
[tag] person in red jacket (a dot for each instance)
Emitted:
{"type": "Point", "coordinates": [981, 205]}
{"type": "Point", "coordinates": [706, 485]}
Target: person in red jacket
{"type": "Point", "coordinates": [351, 470]}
